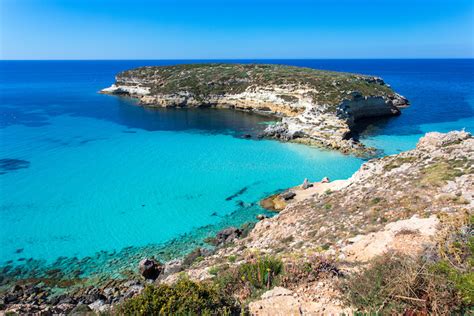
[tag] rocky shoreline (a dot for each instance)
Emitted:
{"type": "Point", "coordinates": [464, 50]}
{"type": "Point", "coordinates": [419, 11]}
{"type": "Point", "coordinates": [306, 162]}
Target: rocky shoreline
{"type": "Point", "coordinates": [398, 203]}
{"type": "Point", "coordinates": [315, 107]}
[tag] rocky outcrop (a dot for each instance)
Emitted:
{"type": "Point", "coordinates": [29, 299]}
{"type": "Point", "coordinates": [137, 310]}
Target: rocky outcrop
{"type": "Point", "coordinates": [283, 302]}
{"type": "Point", "coordinates": [410, 236]}
{"type": "Point", "coordinates": [150, 269]}
{"type": "Point", "coordinates": [315, 107]}
{"type": "Point", "coordinates": [227, 235]}
{"type": "Point", "coordinates": [436, 177]}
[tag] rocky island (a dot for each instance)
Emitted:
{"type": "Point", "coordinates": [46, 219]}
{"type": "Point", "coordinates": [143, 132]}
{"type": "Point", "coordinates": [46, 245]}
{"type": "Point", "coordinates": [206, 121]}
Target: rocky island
{"type": "Point", "coordinates": [315, 106]}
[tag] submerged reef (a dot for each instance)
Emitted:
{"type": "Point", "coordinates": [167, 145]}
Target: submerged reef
{"type": "Point", "coordinates": [315, 107]}
{"type": "Point", "coordinates": [11, 164]}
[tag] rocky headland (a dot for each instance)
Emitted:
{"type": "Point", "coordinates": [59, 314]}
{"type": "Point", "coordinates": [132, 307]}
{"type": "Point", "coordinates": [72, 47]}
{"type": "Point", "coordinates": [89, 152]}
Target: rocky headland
{"type": "Point", "coordinates": [396, 237]}
{"type": "Point", "coordinates": [315, 107]}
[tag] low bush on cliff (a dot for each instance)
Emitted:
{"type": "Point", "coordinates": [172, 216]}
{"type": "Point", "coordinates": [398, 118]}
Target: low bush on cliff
{"type": "Point", "coordinates": [441, 283]}
{"type": "Point", "coordinates": [456, 255]}
{"type": "Point", "coordinates": [251, 278]}
{"type": "Point", "coordinates": [261, 273]}
{"type": "Point", "coordinates": [397, 284]}
{"type": "Point", "coordinates": [183, 298]}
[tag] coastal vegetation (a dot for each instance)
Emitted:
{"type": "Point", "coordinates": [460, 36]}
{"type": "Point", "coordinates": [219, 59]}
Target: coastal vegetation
{"type": "Point", "coordinates": [185, 297]}
{"type": "Point", "coordinates": [215, 297]}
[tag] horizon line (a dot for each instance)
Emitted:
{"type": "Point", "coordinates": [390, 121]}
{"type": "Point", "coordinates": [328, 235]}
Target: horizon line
{"type": "Point", "coordinates": [256, 58]}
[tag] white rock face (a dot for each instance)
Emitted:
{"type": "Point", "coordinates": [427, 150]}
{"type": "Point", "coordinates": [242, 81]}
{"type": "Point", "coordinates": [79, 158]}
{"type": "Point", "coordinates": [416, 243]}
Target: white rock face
{"type": "Point", "coordinates": [404, 236]}
{"type": "Point", "coordinates": [131, 90]}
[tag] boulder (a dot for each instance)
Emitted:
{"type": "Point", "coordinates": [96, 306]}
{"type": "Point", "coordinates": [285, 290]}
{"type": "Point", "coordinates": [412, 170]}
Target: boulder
{"type": "Point", "coordinates": [227, 235]}
{"type": "Point", "coordinates": [99, 306]}
{"type": "Point", "coordinates": [325, 180]}
{"type": "Point", "coordinates": [288, 195]}
{"type": "Point", "coordinates": [150, 269]}
{"type": "Point", "coordinates": [81, 309]}
{"type": "Point", "coordinates": [306, 184]}
{"type": "Point", "coordinates": [437, 140]}
{"type": "Point", "coordinates": [172, 267]}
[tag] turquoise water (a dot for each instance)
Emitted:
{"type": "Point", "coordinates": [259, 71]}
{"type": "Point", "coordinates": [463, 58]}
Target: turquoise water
{"type": "Point", "coordinates": [89, 175]}
{"type": "Point", "coordinates": [96, 188]}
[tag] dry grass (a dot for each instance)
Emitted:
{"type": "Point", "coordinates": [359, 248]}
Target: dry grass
{"type": "Point", "coordinates": [440, 283]}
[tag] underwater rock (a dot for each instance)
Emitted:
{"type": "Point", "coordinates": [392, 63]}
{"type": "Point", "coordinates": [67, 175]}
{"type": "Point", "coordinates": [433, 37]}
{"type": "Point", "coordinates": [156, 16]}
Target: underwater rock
{"type": "Point", "coordinates": [240, 192]}
{"type": "Point", "coordinates": [10, 164]}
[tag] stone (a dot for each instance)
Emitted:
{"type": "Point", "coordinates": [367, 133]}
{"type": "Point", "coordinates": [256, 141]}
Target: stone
{"type": "Point", "coordinates": [261, 217]}
{"type": "Point", "coordinates": [16, 288]}
{"type": "Point", "coordinates": [132, 291]}
{"type": "Point", "coordinates": [81, 309]}
{"type": "Point", "coordinates": [99, 306]}
{"type": "Point", "coordinates": [227, 235]}
{"type": "Point", "coordinates": [435, 139]}
{"type": "Point", "coordinates": [306, 184]}
{"type": "Point", "coordinates": [325, 180]}
{"type": "Point", "coordinates": [173, 266]}
{"type": "Point", "coordinates": [150, 269]}
{"type": "Point", "coordinates": [288, 195]}
{"type": "Point", "coordinates": [276, 291]}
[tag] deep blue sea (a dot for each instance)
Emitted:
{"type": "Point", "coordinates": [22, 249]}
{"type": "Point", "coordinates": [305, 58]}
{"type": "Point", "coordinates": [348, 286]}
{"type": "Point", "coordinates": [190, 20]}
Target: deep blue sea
{"type": "Point", "coordinates": [85, 175]}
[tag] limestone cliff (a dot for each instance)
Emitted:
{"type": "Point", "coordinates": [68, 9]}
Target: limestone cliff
{"type": "Point", "coordinates": [315, 106]}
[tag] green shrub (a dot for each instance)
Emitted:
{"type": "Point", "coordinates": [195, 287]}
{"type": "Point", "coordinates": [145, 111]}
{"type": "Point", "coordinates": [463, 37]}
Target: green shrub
{"type": "Point", "coordinates": [262, 272]}
{"type": "Point", "coordinates": [183, 298]}
{"type": "Point", "coordinates": [463, 281]}
{"type": "Point", "coordinates": [456, 259]}
{"type": "Point", "coordinates": [249, 279]}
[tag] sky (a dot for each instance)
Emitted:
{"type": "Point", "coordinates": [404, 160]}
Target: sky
{"type": "Point", "coordinates": [232, 29]}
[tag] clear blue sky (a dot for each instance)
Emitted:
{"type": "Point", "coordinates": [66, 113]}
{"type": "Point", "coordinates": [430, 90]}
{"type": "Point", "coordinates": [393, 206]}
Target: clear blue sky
{"type": "Point", "coordinates": [166, 29]}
